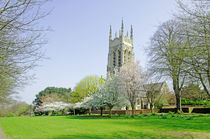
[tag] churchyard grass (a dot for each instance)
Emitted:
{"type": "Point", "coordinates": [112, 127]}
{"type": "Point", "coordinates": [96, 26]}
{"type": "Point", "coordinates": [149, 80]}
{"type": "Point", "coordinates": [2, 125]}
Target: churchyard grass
{"type": "Point", "coordinates": [142, 126]}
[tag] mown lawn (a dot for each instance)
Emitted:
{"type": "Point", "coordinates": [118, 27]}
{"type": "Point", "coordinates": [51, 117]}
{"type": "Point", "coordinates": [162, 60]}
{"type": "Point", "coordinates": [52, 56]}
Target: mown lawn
{"type": "Point", "coordinates": [142, 126]}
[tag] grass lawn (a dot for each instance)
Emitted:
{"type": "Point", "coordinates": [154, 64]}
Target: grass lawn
{"type": "Point", "coordinates": [142, 126]}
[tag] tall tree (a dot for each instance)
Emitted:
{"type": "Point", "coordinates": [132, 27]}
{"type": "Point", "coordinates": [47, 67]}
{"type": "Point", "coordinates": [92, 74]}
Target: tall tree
{"type": "Point", "coordinates": [195, 18]}
{"type": "Point", "coordinates": [111, 93]}
{"type": "Point", "coordinates": [20, 41]}
{"type": "Point", "coordinates": [51, 94]}
{"type": "Point", "coordinates": [132, 79]}
{"type": "Point", "coordinates": [167, 53]}
{"type": "Point", "coordinates": [85, 88]}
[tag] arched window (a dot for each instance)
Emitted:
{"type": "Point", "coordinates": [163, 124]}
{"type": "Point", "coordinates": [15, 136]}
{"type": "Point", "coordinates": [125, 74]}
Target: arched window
{"type": "Point", "coordinates": [129, 56]}
{"type": "Point", "coordinates": [125, 57]}
{"type": "Point", "coordinates": [119, 58]}
{"type": "Point", "coordinates": [114, 59]}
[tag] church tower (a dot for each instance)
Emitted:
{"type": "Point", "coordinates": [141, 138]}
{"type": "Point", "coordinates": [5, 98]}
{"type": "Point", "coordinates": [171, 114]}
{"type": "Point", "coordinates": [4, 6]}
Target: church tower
{"type": "Point", "coordinates": [120, 50]}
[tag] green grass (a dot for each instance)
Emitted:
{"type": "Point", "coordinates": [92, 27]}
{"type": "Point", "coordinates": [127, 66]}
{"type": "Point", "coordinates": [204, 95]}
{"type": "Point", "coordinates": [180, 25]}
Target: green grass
{"type": "Point", "coordinates": [143, 126]}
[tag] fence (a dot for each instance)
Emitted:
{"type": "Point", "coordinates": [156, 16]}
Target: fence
{"type": "Point", "coordinates": [126, 111]}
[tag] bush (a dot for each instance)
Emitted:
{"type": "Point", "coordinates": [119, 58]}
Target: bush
{"type": "Point", "coordinates": [189, 118]}
{"type": "Point", "coordinates": [11, 115]}
{"type": "Point", "coordinates": [153, 114]}
{"type": "Point", "coordinates": [164, 117]}
{"type": "Point", "coordinates": [139, 116]}
{"type": "Point", "coordinates": [170, 112]}
{"type": "Point", "coordinates": [117, 115]}
{"type": "Point", "coordinates": [196, 102]}
{"type": "Point", "coordinates": [145, 115]}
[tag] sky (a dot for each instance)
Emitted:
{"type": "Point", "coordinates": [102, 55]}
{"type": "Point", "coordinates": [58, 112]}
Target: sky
{"type": "Point", "coordinates": [79, 41]}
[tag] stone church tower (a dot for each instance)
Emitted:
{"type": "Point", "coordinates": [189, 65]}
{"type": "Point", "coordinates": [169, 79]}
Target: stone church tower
{"type": "Point", "coordinates": [120, 50]}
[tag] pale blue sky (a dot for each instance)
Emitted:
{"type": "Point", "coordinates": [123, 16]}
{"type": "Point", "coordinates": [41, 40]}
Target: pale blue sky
{"type": "Point", "coordinates": [78, 46]}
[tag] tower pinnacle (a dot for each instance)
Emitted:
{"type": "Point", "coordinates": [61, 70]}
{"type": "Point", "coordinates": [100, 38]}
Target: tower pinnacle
{"type": "Point", "coordinates": [122, 28]}
{"type": "Point", "coordinates": [110, 33]}
{"type": "Point", "coordinates": [131, 37]}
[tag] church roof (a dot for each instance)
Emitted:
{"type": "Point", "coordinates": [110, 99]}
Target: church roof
{"type": "Point", "coordinates": [153, 86]}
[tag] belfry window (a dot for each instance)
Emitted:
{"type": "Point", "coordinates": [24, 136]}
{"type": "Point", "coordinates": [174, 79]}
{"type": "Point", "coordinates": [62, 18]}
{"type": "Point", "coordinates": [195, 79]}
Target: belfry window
{"type": "Point", "coordinates": [129, 57]}
{"type": "Point", "coordinates": [114, 59]}
{"type": "Point", "coordinates": [119, 58]}
{"type": "Point", "coordinates": [125, 53]}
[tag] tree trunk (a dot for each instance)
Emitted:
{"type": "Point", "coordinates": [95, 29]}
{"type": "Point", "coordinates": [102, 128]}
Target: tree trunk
{"type": "Point", "coordinates": [110, 112]}
{"type": "Point", "coordinates": [101, 111]}
{"type": "Point", "coordinates": [74, 112]}
{"type": "Point", "coordinates": [178, 103]}
{"type": "Point", "coordinates": [89, 110]}
{"type": "Point", "coordinates": [133, 109]}
{"type": "Point", "coordinates": [151, 107]}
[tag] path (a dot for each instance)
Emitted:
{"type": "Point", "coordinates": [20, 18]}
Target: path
{"type": "Point", "coordinates": [2, 136]}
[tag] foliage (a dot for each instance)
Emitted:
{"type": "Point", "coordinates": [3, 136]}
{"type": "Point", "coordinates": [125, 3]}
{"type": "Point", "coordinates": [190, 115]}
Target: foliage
{"type": "Point", "coordinates": [85, 87]}
{"type": "Point", "coordinates": [15, 109]}
{"type": "Point", "coordinates": [132, 79]}
{"type": "Point", "coordinates": [194, 18]}
{"type": "Point", "coordinates": [52, 107]}
{"type": "Point", "coordinates": [167, 55]}
{"type": "Point", "coordinates": [195, 102]}
{"type": "Point", "coordinates": [109, 94]}
{"type": "Point", "coordinates": [193, 92]}
{"type": "Point", "coordinates": [52, 94]}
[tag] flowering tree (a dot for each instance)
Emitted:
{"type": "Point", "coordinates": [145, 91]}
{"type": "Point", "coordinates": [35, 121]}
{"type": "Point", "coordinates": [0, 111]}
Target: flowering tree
{"type": "Point", "coordinates": [108, 95]}
{"type": "Point", "coordinates": [132, 79]}
{"type": "Point", "coordinates": [97, 100]}
{"type": "Point", "coordinates": [54, 106]}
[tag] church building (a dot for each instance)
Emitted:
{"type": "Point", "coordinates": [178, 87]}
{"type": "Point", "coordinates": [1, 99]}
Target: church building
{"type": "Point", "coordinates": [120, 50]}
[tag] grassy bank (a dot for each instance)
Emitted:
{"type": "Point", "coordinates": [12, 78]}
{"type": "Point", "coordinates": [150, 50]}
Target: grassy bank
{"type": "Point", "coordinates": [142, 126]}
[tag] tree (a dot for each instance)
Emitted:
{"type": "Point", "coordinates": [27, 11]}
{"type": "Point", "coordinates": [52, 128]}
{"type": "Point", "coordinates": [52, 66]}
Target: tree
{"type": "Point", "coordinates": [15, 108]}
{"type": "Point", "coordinates": [52, 107]}
{"type": "Point", "coordinates": [132, 79]}
{"type": "Point", "coordinates": [195, 18]}
{"type": "Point", "coordinates": [193, 92]}
{"type": "Point", "coordinates": [97, 100]}
{"type": "Point", "coordinates": [167, 53]}
{"type": "Point", "coordinates": [85, 88]}
{"type": "Point", "coordinates": [111, 94]}
{"type": "Point", "coordinates": [156, 94]}
{"type": "Point", "coordinates": [20, 42]}
{"type": "Point", "coordinates": [50, 98]}
{"type": "Point", "coordinates": [108, 94]}
{"type": "Point", "coordinates": [52, 94]}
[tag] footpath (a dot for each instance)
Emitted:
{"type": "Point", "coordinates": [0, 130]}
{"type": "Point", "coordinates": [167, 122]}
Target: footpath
{"type": "Point", "coordinates": [2, 136]}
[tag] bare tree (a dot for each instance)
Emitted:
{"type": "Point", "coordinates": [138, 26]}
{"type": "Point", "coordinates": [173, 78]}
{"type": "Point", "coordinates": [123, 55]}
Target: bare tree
{"type": "Point", "coordinates": [167, 53]}
{"type": "Point", "coordinates": [132, 79]}
{"type": "Point", "coordinates": [195, 19]}
{"type": "Point", "coordinates": [21, 41]}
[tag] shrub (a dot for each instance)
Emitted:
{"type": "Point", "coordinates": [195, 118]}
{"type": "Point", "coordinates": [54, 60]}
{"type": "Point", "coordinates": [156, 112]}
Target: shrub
{"type": "Point", "coordinates": [11, 115]}
{"type": "Point", "coordinates": [189, 118]}
{"type": "Point", "coordinates": [116, 115]}
{"type": "Point", "coordinates": [170, 112]}
{"type": "Point", "coordinates": [164, 117]}
{"type": "Point", "coordinates": [50, 113]}
{"type": "Point", "coordinates": [153, 114]}
{"type": "Point", "coordinates": [139, 116]}
{"type": "Point", "coordinates": [196, 102]}
{"type": "Point", "coordinates": [145, 115]}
